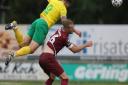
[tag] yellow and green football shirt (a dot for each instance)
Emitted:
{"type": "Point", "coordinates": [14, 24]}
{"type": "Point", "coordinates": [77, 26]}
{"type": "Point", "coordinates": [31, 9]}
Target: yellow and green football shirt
{"type": "Point", "coordinates": [53, 12]}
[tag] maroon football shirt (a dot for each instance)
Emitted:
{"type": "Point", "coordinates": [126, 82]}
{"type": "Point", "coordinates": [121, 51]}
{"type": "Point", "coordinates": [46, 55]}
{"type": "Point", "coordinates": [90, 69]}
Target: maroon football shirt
{"type": "Point", "coordinates": [58, 40]}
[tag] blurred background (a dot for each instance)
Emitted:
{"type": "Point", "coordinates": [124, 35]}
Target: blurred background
{"type": "Point", "coordinates": [98, 20]}
{"type": "Point", "coordinates": [81, 11]}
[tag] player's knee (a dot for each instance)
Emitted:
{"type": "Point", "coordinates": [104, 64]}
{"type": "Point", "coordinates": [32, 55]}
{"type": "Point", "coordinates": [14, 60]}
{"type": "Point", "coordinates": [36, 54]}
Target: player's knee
{"type": "Point", "coordinates": [33, 46]}
{"type": "Point", "coordinates": [32, 49]}
{"type": "Point", "coordinates": [64, 76]}
{"type": "Point", "coordinates": [64, 79]}
{"type": "Point", "coordinates": [52, 76]}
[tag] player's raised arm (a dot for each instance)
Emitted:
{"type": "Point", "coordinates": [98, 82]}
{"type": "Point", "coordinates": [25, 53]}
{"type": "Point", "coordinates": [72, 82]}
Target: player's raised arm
{"type": "Point", "coordinates": [77, 48]}
{"type": "Point", "coordinates": [63, 14]}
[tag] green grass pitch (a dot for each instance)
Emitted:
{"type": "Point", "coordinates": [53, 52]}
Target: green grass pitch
{"type": "Point", "coordinates": [58, 83]}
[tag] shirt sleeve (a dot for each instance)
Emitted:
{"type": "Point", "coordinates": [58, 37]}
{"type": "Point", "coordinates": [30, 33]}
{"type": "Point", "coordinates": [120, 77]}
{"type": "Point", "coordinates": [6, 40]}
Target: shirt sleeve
{"type": "Point", "coordinates": [63, 10]}
{"type": "Point", "coordinates": [69, 44]}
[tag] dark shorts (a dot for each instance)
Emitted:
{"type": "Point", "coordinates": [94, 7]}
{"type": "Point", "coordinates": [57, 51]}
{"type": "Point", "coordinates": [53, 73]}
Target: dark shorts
{"type": "Point", "coordinates": [49, 64]}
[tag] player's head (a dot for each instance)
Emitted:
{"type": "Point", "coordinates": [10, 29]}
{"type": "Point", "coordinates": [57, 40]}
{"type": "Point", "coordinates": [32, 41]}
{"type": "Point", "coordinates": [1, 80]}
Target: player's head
{"type": "Point", "coordinates": [67, 3]}
{"type": "Point", "coordinates": [68, 26]}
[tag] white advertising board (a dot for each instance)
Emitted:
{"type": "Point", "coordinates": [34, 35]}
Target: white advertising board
{"type": "Point", "coordinates": [108, 40]}
{"type": "Point", "coordinates": [21, 71]}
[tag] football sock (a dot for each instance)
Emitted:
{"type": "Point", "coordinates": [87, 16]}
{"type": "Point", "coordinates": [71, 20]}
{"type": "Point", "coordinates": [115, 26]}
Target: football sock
{"type": "Point", "coordinates": [23, 51]}
{"type": "Point", "coordinates": [19, 36]}
{"type": "Point", "coordinates": [49, 81]}
{"type": "Point", "coordinates": [64, 81]}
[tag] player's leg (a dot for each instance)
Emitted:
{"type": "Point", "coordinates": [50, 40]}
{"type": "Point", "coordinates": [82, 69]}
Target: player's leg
{"type": "Point", "coordinates": [55, 68]}
{"type": "Point", "coordinates": [58, 71]}
{"type": "Point", "coordinates": [44, 64]}
{"type": "Point", "coordinates": [26, 41]}
{"type": "Point", "coordinates": [19, 36]}
{"type": "Point", "coordinates": [24, 50]}
{"type": "Point", "coordinates": [22, 41]}
{"type": "Point", "coordinates": [64, 79]}
{"type": "Point", "coordinates": [39, 36]}
{"type": "Point", "coordinates": [27, 49]}
{"type": "Point", "coordinates": [50, 80]}
{"type": "Point", "coordinates": [40, 32]}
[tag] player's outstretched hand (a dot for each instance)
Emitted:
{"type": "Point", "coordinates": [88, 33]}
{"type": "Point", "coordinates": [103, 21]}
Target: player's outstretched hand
{"type": "Point", "coordinates": [77, 32]}
{"type": "Point", "coordinates": [9, 58]}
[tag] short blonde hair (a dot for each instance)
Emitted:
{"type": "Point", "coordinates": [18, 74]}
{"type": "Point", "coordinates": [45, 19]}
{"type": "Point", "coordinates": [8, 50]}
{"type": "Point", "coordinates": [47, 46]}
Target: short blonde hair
{"type": "Point", "coordinates": [67, 22]}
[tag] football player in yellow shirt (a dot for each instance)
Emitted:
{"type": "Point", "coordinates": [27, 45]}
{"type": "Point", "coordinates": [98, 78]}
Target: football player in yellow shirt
{"type": "Point", "coordinates": [55, 10]}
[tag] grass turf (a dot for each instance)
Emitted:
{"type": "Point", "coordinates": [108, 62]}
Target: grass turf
{"type": "Point", "coordinates": [58, 83]}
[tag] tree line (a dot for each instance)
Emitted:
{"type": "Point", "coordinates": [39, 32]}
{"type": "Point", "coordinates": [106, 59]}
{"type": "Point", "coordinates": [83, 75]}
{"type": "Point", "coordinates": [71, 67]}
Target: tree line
{"type": "Point", "coordinates": [80, 11]}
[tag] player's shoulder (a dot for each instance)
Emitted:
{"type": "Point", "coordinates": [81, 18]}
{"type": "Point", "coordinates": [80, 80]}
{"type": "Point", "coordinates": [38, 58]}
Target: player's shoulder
{"type": "Point", "coordinates": [48, 0]}
{"type": "Point", "coordinates": [59, 2]}
{"type": "Point", "coordinates": [63, 34]}
{"type": "Point", "coordinates": [54, 0]}
{"type": "Point", "coordinates": [60, 31]}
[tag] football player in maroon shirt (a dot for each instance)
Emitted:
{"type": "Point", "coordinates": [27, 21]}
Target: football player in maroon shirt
{"type": "Point", "coordinates": [57, 41]}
